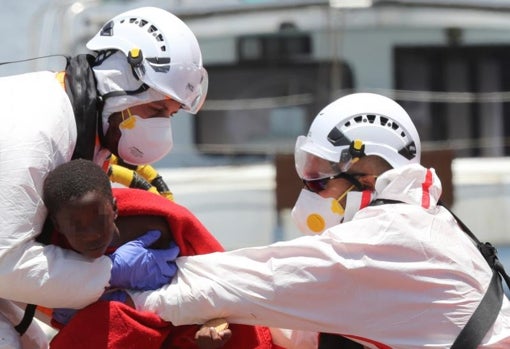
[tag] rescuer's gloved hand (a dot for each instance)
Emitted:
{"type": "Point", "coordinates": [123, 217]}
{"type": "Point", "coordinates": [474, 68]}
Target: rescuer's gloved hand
{"type": "Point", "coordinates": [135, 266]}
{"type": "Point", "coordinates": [63, 315]}
{"type": "Point", "coordinates": [114, 295]}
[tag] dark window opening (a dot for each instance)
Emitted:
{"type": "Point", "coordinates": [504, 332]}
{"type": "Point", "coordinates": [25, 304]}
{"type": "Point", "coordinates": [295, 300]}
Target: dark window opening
{"type": "Point", "coordinates": [261, 107]}
{"type": "Point", "coordinates": [455, 97]}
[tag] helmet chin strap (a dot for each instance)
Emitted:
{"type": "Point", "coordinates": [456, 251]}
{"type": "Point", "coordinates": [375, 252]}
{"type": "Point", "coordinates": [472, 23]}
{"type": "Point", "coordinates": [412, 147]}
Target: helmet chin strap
{"type": "Point", "coordinates": [119, 88]}
{"type": "Point", "coordinates": [118, 85]}
{"type": "Point", "coordinates": [143, 87]}
{"type": "Point", "coordinates": [352, 179]}
{"type": "Point", "coordinates": [100, 130]}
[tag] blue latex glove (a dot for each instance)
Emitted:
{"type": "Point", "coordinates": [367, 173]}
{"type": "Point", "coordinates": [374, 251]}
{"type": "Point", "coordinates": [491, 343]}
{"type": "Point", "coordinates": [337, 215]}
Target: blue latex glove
{"type": "Point", "coordinates": [63, 315]}
{"type": "Point", "coordinates": [115, 295]}
{"type": "Point", "coordinates": [138, 267]}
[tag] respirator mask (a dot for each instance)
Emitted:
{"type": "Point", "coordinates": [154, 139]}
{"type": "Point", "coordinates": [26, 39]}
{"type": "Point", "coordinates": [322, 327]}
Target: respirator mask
{"type": "Point", "coordinates": [313, 214]}
{"type": "Point", "coordinates": [144, 141]}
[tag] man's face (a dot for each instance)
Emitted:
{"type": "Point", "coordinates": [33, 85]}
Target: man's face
{"type": "Point", "coordinates": [88, 223]}
{"type": "Point", "coordinates": [362, 171]}
{"type": "Point", "coordinates": [163, 108]}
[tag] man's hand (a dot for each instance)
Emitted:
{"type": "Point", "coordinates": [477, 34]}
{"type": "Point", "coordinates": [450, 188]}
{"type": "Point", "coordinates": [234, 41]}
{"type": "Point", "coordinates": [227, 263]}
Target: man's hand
{"type": "Point", "coordinates": [213, 334]}
{"type": "Point", "coordinates": [137, 267]}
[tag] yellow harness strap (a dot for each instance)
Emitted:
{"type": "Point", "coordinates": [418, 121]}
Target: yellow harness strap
{"type": "Point", "coordinates": [129, 178]}
{"type": "Point", "coordinates": [143, 177]}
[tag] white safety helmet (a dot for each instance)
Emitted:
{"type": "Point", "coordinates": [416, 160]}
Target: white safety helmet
{"type": "Point", "coordinates": [162, 50]}
{"type": "Point", "coordinates": [353, 126]}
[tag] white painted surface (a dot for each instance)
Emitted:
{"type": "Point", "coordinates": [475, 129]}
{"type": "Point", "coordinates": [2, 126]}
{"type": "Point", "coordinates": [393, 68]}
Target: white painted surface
{"type": "Point", "coordinates": [237, 203]}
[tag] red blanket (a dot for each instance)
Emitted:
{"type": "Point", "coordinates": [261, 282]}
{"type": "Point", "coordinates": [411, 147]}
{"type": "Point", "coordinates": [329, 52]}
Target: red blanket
{"type": "Point", "coordinates": [115, 325]}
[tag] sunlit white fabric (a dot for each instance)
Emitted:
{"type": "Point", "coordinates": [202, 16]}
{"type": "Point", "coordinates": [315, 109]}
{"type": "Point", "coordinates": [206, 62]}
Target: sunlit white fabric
{"type": "Point", "coordinates": [401, 275]}
{"type": "Point", "coordinates": [38, 133]}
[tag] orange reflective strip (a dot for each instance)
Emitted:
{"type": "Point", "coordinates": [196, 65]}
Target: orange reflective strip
{"type": "Point", "coordinates": [45, 310]}
{"type": "Point", "coordinates": [60, 77]}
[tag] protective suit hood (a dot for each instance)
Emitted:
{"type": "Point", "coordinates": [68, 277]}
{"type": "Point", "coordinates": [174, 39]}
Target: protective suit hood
{"type": "Point", "coordinates": [412, 184]}
{"type": "Point", "coordinates": [114, 74]}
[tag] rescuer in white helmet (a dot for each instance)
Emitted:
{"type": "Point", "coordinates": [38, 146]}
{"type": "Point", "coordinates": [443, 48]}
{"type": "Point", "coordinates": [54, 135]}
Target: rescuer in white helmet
{"type": "Point", "coordinates": [384, 266]}
{"type": "Point", "coordinates": [146, 65]}
{"type": "Point", "coordinates": [149, 65]}
{"type": "Point", "coordinates": [340, 136]}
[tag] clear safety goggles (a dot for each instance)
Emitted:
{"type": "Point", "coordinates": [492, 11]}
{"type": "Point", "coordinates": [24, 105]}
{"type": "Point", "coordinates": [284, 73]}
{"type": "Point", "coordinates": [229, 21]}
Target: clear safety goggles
{"type": "Point", "coordinates": [197, 103]}
{"type": "Point", "coordinates": [169, 78]}
{"type": "Point", "coordinates": [318, 185]}
{"type": "Point", "coordinates": [314, 162]}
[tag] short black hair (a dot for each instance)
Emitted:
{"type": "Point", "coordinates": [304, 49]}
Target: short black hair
{"type": "Point", "coordinates": [73, 180]}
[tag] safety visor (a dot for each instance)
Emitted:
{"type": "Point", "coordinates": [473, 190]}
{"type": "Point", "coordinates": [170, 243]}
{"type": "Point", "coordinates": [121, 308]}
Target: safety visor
{"type": "Point", "coordinates": [313, 161]}
{"type": "Point", "coordinates": [184, 83]}
{"type": "Point", "coordinates": [197, 103]}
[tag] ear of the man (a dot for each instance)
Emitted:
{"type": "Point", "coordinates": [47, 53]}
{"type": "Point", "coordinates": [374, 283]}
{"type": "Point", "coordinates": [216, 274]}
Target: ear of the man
{"type": "Point", "coordinates": [368, 182]}
{"type": "Point", "coordinates": [115, 209]}
{"type": "Point", "coordinates": [54, 222]}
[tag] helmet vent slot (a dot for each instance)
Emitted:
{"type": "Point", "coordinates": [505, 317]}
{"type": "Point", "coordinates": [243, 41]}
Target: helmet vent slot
{"type": "Point", "coordinates": [337, 138]}
{"type": "Point", "coordinates": [160, 65]}
{"type": "Point", "coordinates": [409, 151]}
{"type": "Point", "coordinates": [373, 122]}
{"type": "Point", "coordinates": [107, 29]}
{"type": "Point", "coordinates": [146, 37]}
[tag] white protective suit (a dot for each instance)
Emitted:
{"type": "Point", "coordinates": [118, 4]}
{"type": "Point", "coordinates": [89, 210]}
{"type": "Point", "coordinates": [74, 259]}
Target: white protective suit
{"type": "Point", "coordinates": [397, 276]}
{"type": "Point", "coordinates": [37, 133]}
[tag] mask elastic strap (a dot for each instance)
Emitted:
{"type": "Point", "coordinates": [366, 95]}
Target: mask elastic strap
{"type": "Point", "coordinates": [123, 117]}
{"type": "Point", "coordinates": [129, 114]}
{"type": "Point", "coordinates": [342, 196]}
{"type": "Point", "coordinates": [353, 180]}
{"type": "Point", "coordinates": [128, 122]}
{"type": "Point", "coordinates": [345, 193]}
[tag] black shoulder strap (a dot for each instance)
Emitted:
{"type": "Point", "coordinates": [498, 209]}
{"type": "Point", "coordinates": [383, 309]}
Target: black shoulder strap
{"type": "Point", "coordinates": [483, 318]}
{"type": "Point", "coordinates": [28, 316]}
{"type": "Point", "coordinates": [335, 341]}
{"type": "Point", "coordinates": [487, 311]}
{"type": "Point", "coordinates": [80, 86]}
{"type": "Point", "coordinates": [488, 251]}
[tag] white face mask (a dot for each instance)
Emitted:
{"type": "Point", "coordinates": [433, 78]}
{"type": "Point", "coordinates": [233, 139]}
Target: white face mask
{"type": "Point", "coordinates": [313, 214]}
{"type": "Point", "coordinates": [144, 141]}
{"type": "Point", "coordinates": [356, 200]}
